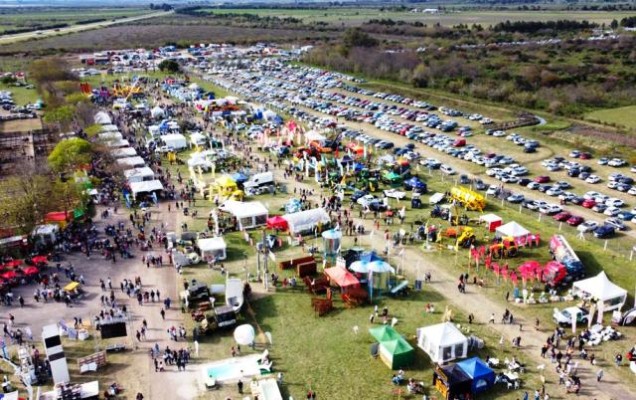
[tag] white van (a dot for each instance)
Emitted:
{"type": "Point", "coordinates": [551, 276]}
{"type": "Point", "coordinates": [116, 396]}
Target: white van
{"type": "Point", "coordinates": [447, 169]}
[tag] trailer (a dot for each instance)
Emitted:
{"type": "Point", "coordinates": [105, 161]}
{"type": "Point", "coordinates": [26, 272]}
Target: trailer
{"type": "Point", "coordinates": [562, 252]}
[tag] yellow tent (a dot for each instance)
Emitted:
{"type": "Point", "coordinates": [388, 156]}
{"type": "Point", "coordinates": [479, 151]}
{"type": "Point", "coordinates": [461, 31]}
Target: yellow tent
{"type": "Point", "coordinates": [71, 286]}
{"type": "Point", "coordinates": [225, 185]}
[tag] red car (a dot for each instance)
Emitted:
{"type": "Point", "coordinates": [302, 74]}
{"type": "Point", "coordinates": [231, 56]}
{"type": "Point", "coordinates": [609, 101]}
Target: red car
{"type": "Point", "coordinates": [585, 156]}
{"type": "Point", "coordinates": [542, 179]}
{"type": "Point", "coordinates": [562, 216]}
{"type": "Point", "coordinates": [575, 220]}
{"type": "Point", "coordinates": [589, 203]}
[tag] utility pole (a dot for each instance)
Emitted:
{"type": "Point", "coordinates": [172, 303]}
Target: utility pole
{"type": "Point", "coordinates": [265, 251]}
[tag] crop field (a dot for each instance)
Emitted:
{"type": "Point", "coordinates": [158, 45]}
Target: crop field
{"type": "Point", "coordinates": [621, 117]}
{"type": "Point", "coordinates": [357, 16]}
{"type": "Point", "coordinates": [138, 35]}
{"type": "Point", "coordinates": [29, 18]}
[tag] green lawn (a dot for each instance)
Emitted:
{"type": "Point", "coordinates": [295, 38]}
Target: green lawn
{"type": "Point", "coordinates": [21, 95]}
{"type": "Point", "coordinates": [621, 117]}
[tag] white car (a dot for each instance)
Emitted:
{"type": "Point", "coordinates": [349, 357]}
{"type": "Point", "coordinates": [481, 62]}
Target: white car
{"type": "Point", "coordinates": [590, 195]}
{"type": "Point", "coordinates": [564, 317]}
{"type": "Point", "coordinates": [593, 179]}
{"type": "Point", "coordinates": [614, 202]}
{"type": "Point", "coordinates": [533, 185]}
{"type": "Point", "coordinates": [492, 190]}
{"type": "Point", "coordinates": [587, 226]}
{"type": "Point", "coordinates": [395, 194]}
{"type": "Point", "coordinates": [550, 209]}
{"type": "Point", "coordinates": [366, 200]}
{"type": "Point", "coordinates": [616, 162]}
{"type": "Point", "coordinates": [554, 191]}
{"type": "Point", "coordinates": [447, 169]}
{"type": "Point", "coordinates": [612, 211]}
{"type": "Point", "coordinates": [493, 171]}
{"type": "Point", "coordinates": [632, 191]}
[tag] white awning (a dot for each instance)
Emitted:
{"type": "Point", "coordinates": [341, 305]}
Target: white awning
{"type": "Point", "coordinates": [105, 136]}
{"type": "Point", "coordinates": [138, 174]}
{"type": "Point", "coordinates": [103, 118]}
{"type": "Point", "coordinates": [132, 162]}
{"type": "Point", "coordinates": [123, 152]}
{"type": "Point", "coordinates": [145, 186]}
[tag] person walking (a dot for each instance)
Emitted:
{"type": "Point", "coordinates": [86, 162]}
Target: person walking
{"type": "Point", "coordinates": [492, 318]}
{"type": "Point", "coordinates": [599, 375]}
{"type": "Point", "coordinates": [163, 314]}
{"type": "Point", "coordinates": [240, 386]}
{"type": "Point", "coordinates": [279, 378]}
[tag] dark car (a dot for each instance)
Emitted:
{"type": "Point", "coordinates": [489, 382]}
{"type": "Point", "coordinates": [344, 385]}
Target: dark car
{"type": "Point", "coordinates": [604, 231]}
{"type": "Point", "coordinates": [524, 181]}
{"type": "Point", "coordinates": [480, 185]}
{"type": "Point", "coordinates": [377, 206]}
{"type": "Point", "coordinates": [358, 194]}
{"type": "Point", "coordinates": [464, 179]}
{"type": "Point", "coordinates": [544, 188]}
{"type": "Point", "coordinates": [574, 172]}
{"type": "Point", "coordinates": [577, 200]}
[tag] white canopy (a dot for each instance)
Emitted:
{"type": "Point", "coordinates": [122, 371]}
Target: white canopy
{"type": "Point", "coordinates": [123, 152]}
{"type": "Point", "coordinates": [249, 214]}
{"type": "Point", "coordinates": [601, 288]}
{"type": "Point", "coordinates": [139, 174]}
{"type": "Point", "coordinates": [118, 143]}
{"type": "Point", "coordinates": [442, 342]}
{"type": "Point", "coordinates": [175, 140]}
{"type": "Point", "coordinates": [102, 118]}
{"type": "Point", "coordinates": [512, 229]}
{"type": "Point", "coordinates": [313, 135]}
{"type": "Point", "coordinates": [306, 220]}
{"type": "Point", "coordinates": [114, 135]}
{"type": "Point", "coordinates": [212, 248]}
{"type": "Point", "coordinates": [132, 162]}
{"type": "Point", "coordinates": [145, 187]}
{"type": "Point", "coordinates": [488, 218]}
{"type": "Point", "coordinates": [197, 138]}
{"type": "Point", "coordinates": [109, 128]}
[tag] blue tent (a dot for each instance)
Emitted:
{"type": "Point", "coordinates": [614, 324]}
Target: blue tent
{"type": "Point", "coordinates": [239, 177]}
{"type": "Point", "coordinates": [483, 377]}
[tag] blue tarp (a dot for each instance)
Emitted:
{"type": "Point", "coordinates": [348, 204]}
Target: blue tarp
{"type": "Point", "coordinates": [239, 177]}
{"type": "Point", "coordinates": [483, 377]}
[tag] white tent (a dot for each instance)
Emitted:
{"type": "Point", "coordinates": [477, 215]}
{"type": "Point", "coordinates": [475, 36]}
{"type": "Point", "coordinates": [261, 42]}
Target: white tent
{"type": "Point", "coordinates": [442, 342]}
{"type": "Point", "coordinates": [212, 248]}
{"type": "Point", "coordinates": [139, 174]}
{"type": "Point", "coordinates": [248, 214]}
{"type": "Point", "coordinates": [601, 288]}
{"type": "Point", "coordinates": [109, 128]}
{"type": "Point", "coordinates": [304, 221]}
{"type": "Point", "coordinates": [313, 135]}
{"type": "Point", "coordinates": [102, 118]}
{"type": "Point", "coordinates": [123, 152]}
{"type": "Point", "coordinates": [145, 187]}
{"type": "Point", "coordinates": [175, 141]}
{"type": "Point", "coordinates": [132, 162]}
{"type": "Point", "coordinates": [107, 136]}
{"type": "Point", "coordinates": [512, 229]}
{"type": "Point", "coordinates": [117, 143]}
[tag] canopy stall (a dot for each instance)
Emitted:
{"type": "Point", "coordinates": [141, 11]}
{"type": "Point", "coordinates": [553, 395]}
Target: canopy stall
{"type": "Point", "coordinates": [601, 288]}
{"type": "Point", "coordinates": [117, 143]}
{"type": "Point", "coordinates": [513, 230]}
{"type": "Point", "coordinates": [175, 141]}
{"type": "Point", "coordinates": [131, 162]}
{"type": "Point", "coordinates": [123, 152]}
{"type": "Point", "coordinates": [306, 221]}
{"type": "Point", "coordinates": [341, 277]}
{"type": "Point", "coordinates": [212, 248]}
{"type": "Point", "coordinates": [108, 136]}
{"type": "Point", "coordinates": [109, 128]}
{"type": "Point", "coordinates": [102, 118]}
{"type": "Point", "coordinates": [452, 382]}
{"type": "Point", "coordinates": [277, 222]}
{"type": "Point", "coordinates": [483, 378]}
{"type": "Point", "coordinates": [250, 214]}
{"type": "Point", "coordinates": [145, 187]}
{"type": "Point", "coordinates": [442, 342]}
{"type": "Point", "coordinates": [139, 174]}
{"type": "Point", "coordinates": [384, 333]}
{"type": "Point", "coordinates": [397, 353]}
{"type": "Point", "coordinates": [225, 185]}
{"type": "Point", "coordinates": [492, 221]}
{"type": "Point", "coordinates": [197, 139]}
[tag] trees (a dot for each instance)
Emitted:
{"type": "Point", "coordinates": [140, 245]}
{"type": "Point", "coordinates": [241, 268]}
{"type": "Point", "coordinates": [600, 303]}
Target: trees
{"type": "Point", "coordinates": [170, 66]}
{"type": "Point", "coordinates": [356, 37]}
{"type": "Point", "coordinates": [26, 201]}
{"type": "Point", "coordinates": [69, 154]}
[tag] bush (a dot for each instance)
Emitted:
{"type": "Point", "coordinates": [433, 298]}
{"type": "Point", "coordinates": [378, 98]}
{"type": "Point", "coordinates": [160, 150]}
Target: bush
{"type": "Point", "coordinates": [170, 66]}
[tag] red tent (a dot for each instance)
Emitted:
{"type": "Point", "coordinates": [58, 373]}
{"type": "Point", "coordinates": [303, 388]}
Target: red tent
{"type": "Point", "coordinates": [13, 263]}
{"type": "Point", "coordinates": [58, 216]}
{"type": "Point", "coordinates": [529, 269]}
{"type": "Point", "coordinates": [341, 277]}
{"type": "Point", "coordinates": [40, 260]}
{"type": "Point", "coordinates": [31, 271]}
{"type": "Point", "coordinates": [10, 275]}
{"type": "Point", "coordinates": [277, 222]}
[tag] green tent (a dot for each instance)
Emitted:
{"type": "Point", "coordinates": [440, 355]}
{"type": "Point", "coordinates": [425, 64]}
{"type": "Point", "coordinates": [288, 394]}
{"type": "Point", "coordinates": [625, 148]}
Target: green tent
{"type": "Point", "coordinates": [396, 353]}
{"type": "Point", "coordinates": [384, 333]}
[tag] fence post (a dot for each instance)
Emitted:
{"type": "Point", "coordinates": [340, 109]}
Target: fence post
{"type": "Point", "coordinates": [560, 225]}
{"type": "Point", "coordinates": [605, 246]}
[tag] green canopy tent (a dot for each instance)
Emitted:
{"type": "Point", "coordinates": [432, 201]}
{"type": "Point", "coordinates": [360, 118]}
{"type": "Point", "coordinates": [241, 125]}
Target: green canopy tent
{"type": "Point", "coordinates": [384, 333]}
{"type": "Point", "coordinates": [396, 353]}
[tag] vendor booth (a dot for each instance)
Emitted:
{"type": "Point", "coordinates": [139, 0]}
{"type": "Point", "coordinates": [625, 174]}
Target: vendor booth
{"type": "Point", "coordinates": [225, 185]}
{"type": "Point", "coordinates": [491, 221]}
{"type": "Point", "coordinates": [341, 277]}
{"type": "Point", "coordinates": [116, 144]}
{"type": "Point", "coordinates": [483, 378]}
{"type": "Point", "coordinates": [102, 118]}
{"type": "Point", "coordinates": [198, 139]}
{"type": "Point", "coordinates": [249, 214]}
{"type": "Point", "coordinates": [277, 222]}
{"type": "Point", "coordinates": [384, 333]}
{"type": "Point", "coordinates": [123, 152]}
{"type": "Point", "coordinates": [306, 221]}
{"type": "Point", "coordinates": [131, 162]}
{"type": "Point", "coordinates": [397, 353]}
{"type": "Point", "coordinates": [139, 174]}
{"type": "Point", "coordinates": [142, 187]}
{"type": "Point", "coordinates": [452, 382]}
{"type": "Point", "coordinates": [212, 248]}
{"type": "Point", "coordinates": [602, 289]}
{"type": "Point", "coordinates": [109, 136]}
{"type": "Point", "coordinates": [513, 230]}
{"type": "Point", "coordinates": [442, 342]}
{"type": "Point", "coordinates": [175, 141]}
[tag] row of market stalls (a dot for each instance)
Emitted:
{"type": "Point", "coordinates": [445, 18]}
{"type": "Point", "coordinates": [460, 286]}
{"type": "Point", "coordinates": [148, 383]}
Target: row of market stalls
{"type": "Point", "coordinates": [140, 178]}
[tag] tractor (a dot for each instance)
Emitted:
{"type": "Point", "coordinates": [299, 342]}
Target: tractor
{"type": "Point", "coordinates": [506, 248]}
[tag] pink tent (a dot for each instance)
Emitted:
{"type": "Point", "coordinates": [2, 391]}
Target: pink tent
{"type": "Point", "coordinates": [39, 260]}
{"type": "Point", "coordinates": [10, 275]}
{"type": "Point", "coordinates": [341, 277]}
{"type": "Point", "coordinates": [13, 263]}
{"type": "Point", "coordinates": [277, 222]}
{"type": "Point", "coordinates": [31, 271]}
{"type": "Point", "coordinates": [529, 269]}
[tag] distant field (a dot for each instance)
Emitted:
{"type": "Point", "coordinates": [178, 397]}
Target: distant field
{"type": "Point", "coordinates": [28, 18]}
{"type": "Point", "coordinates": [357, 16]}
{"type": "Point", "coordinates": [21, 96]}
{"type": "Point", "coordinates": [623, 116]}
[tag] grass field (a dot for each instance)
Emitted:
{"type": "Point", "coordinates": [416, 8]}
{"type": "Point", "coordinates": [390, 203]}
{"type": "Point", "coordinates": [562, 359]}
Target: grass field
{"type": "Point", "coordinates": [621, 117]}
{"type": "Point", "coordinates": [21, 95]}
{"type": "Point", "coordinates": [27, 18]}
{"type": "Point", "coordinates": [355, 16]}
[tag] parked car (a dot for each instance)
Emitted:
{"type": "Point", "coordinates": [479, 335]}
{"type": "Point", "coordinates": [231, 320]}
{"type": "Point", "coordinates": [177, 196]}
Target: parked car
{"type": "Point", "coordinates": [550, 209]}
{"type": "Point", "coordinates": [447, 169]}
{"type": "Point", "coordinates": [616, 223]}
{"type": "Point", "coordinates": [575, 220]}
{"type": "Point", "coordinates": [564, 317]}
{"type": "Point", "coordinates": [542, 179]}
{"type": "Point", "coordinates": [587, 226]}
{"type": "Point", "coordinates": [562, 216]}
{"type": "Point", "coordinates": [605, 231]}
{"type": "Point", "coordinates": [515, 198]}
{"type": "Point", "coordinates": [395, 194]}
